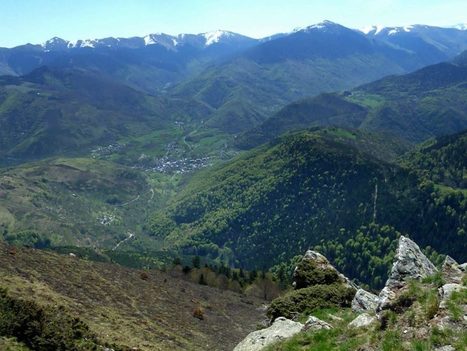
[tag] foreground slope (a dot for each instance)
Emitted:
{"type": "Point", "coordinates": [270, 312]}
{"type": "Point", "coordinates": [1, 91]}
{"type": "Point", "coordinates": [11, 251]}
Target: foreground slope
{"type": "Point", "coordinates": [153, 311]}
{"type": "Point", "coordinates": [307, 189]}
{"type": "Point", "coordinates": [427, 103]}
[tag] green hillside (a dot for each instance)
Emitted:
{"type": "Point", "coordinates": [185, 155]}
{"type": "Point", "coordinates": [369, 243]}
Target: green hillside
{"type": "Point", "coordinates": [311, 189]}
{"type": "Point", "coordinates": [266, 87]}
{"type": "Point", "coordinates": [76, 202]}
{"type": "Point", "coordinates": [414, 107]}
{"type": "Point", "coordinates": [69, 112]}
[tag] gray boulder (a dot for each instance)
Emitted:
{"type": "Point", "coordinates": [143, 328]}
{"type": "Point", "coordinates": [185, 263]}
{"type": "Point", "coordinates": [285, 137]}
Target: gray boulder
{"type": "Point", "coordinates": [451, 271]}
{"type": "Point", "coordinates": [314, 323]}
{"type": "Point", "coordinates": [362, 321]}
{"type": "Point", "coordinates": [364, 301]}
{"type": "Point", "coordinates": [409, 263]}
{"type": "Point", "coordinates": [282, 328]}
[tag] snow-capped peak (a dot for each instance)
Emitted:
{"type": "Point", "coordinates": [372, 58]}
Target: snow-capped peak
{"type": "Point", "coordinates": [55, 43]}
{"type": "Point", "coordinates": [324, 25]}
{"type": "Point", "coordinates": [215, 36]}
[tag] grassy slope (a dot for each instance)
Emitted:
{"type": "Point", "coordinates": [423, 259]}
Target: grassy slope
{"type": "Point", "coordinates": [66, 200]}
{"type": "Point", "coordinates": [122, 308]}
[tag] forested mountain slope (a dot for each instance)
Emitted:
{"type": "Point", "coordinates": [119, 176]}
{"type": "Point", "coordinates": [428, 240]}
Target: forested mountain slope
{"type": "Point", "coordinates": [417, 106]}
{"type": "Point", "coordinates": [309, 189]}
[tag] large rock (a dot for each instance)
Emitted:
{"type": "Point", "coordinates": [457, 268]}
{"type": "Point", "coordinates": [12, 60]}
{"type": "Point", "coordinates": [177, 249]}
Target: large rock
{"type": "Point", "coordinates": [409, 263]}
{"type": "Point", "coordinates": [362, 321]}
{"type": "Point", "coordinates": [314, 323]}
{"type": "Point", "coordinates": [451, 271]}
{"type": "Point", "coordinates": [282, 328]}
{"type": "Point", "coordinates": [364, 301]}
{"type": "Point", "coordinates": [315, 269]}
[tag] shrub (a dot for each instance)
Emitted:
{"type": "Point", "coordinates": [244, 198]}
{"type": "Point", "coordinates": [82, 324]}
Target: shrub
{"type": "Point", "coordinates": [198, 312]}
{"type": "Point", "coordinates": [144, 275]}
{"type": "Point", "coordinates": [308, 299]}
{"type": "Point", "coordinates": [308, 274]}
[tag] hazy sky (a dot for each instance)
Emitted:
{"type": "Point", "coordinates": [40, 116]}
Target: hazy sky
{"type": "Point", "coordinates": [34, 21]}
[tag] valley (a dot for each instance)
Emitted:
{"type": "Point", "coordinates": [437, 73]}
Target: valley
{"type": "Point", "coordinates": [158, 192]}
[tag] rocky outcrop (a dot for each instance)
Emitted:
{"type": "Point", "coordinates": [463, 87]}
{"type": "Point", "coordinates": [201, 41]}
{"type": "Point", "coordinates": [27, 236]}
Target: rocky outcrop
{"type": "Point", "coordinates": [410, 263]}
{"type": "Point", "coordinates": [282, 328]}
{"type": "Point", "coordinates": [362, 321]}
{"type": "Point", "coordinates": [451, 271]}
{"type": "Point", "coordinates": [364, 301]}
{"type": "Point", "coordinates": [314, 323]}
{"type": "Point", "coordinates": [315, 269]}
{"type": "Point", "coordinates": [317, 285]}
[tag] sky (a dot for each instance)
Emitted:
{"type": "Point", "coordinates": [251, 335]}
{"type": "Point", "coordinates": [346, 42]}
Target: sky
{"type": "Point", "coordinates": [34, 21]}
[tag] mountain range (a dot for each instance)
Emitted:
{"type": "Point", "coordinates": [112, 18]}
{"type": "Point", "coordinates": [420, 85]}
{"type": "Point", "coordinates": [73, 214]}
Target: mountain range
{"type": "Point", "coordinates": [218, 159]}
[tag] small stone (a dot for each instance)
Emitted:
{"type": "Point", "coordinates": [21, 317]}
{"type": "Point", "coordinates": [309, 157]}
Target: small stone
{"type": "Point", "coordinates": [445, 348]}
{"type": "Point", "coordinates": [446, 291]}
{"type": "Point", "coordinates": [362, 321]}
{"type": "Point", "coordinates": [463, 267]}
{"type": "Point", "coordinates": [364, 301]}
{"type": "Point", "coordinates": [451, 271]}
{"type": "Point", "coordinates": [314, 323]}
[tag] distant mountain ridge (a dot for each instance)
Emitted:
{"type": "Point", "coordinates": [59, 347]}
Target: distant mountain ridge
{"type": "Point", "coordinates": [321, 58]}
{"type": "Point", "coordinates": [202, 40]}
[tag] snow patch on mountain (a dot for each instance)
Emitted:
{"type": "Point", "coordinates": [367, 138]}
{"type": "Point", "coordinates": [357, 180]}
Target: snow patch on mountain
{"type": "Point", "coordinates": [325, 25]}
{"type": "Point", "coordinates": [216, 36]}
{"type": "Point", "coordinates": [149, 40]}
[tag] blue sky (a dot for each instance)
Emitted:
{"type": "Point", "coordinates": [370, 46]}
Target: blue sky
{"type": "Point", "coordinates": [34, 21]}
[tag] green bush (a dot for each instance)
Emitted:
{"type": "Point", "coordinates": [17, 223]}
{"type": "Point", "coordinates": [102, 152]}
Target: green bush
{"type": "Point", "coordinates": [308, 299]}
{"type": "Point", "coordinates": [308, 274]}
